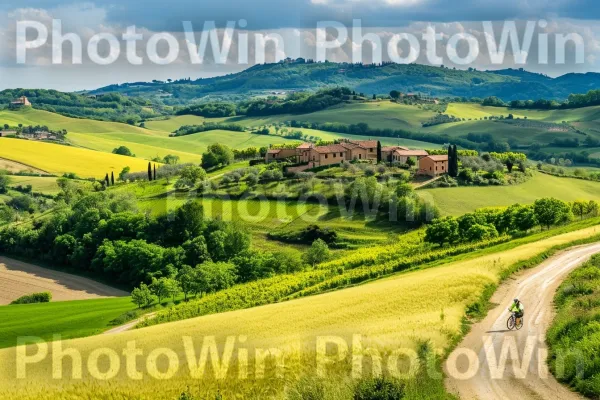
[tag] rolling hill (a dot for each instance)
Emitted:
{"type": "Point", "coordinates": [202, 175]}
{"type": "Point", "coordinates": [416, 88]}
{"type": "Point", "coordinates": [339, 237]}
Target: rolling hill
{"type": "Point", "coordinates": [438, 81]}
{"type": "Point", "coordinates": [400, 312]}
{"type": "Point", "coordinates": [59, 159]}
{"type": "Point", "coordinates": [461, 200]}
{"type": "Point", "coordinates": [144, 143]}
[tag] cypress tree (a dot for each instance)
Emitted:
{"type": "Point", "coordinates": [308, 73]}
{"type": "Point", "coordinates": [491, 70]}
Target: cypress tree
{"type": "Point", "coordinates": [378, 152]}
{"type": "Point", "coordinates": [154, 171]}
{"type": "Point", "coordinates": [106, 181]}
{"type": "Point", "coordinates": [112, 178]}
{"type": "Point", "coordinates": [455, 166]}
{"type": "Point", "coordinates": [450, 160]}
{"type": "Point", "coordinates": [149, 172]}
{"type": "Point", "coordinates": [453, 161]}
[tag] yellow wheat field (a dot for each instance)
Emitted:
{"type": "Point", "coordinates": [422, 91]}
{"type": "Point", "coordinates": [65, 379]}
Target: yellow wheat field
{"type": "Point", "coordinates": [59, 159]}
{"type": "Point", "coordinates": [385, 315]}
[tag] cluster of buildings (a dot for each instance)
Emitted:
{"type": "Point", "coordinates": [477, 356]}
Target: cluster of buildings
{"type": "Point", "coordinates": [20, 102]}
{"type": "Point", "coordinates": [310, 156]}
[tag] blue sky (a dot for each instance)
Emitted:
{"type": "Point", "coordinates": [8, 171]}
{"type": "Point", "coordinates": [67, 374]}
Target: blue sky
{"type": "Point", "coordinates": [295, 20]}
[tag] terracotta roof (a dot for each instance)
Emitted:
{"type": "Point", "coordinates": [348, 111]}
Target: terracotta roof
{"type": "Point", "coordinates": [412, 153]}
{"type": "Point", "coordinates": [392, 148]}
{"type": "Point", "coordinates": [439, 158]}
{"type": "Point", "coordinates": [365, 143]}
{"type": "Point", "coordinates": [348, 145]}
{"type": "Point", "coordinates": [274, 151]}
{"type": "Point", "coordinates": [332, 148]}
{"type": "Point", "coordinates": [305, 146]}
{"type": "Point", "coordinates": [368, 143]}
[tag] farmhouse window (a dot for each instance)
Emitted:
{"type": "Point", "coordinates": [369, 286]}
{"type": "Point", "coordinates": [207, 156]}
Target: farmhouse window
{"type": "Point", "coordinates": [341, 154]}
{"type": "Point", "coordinates": [360, 156]}
{"type": "Point", "coordinates": [326, 155]}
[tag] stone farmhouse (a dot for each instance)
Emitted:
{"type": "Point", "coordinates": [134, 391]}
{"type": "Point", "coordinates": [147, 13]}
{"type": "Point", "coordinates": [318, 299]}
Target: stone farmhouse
{"type": "Point", "coordinates": [21, 102]}
{"type": "Point", "coordinates": [317, 156]}
{"type": "Point", "coordinates": [433, 165]}
{"type": "Point", "coordinates": [309, 156]}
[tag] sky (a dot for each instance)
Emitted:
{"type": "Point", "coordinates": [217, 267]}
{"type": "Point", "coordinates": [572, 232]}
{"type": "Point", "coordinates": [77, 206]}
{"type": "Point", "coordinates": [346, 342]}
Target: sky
{"type": "Point", "coordinates": [290, 27]}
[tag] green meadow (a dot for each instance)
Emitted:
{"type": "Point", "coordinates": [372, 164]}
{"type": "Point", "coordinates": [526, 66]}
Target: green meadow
{"type": "Point", "coordinates": [39, 184]}
{"type": "Point", "coordinates": [70, 319]}
{"type": "Point", "coordinates": [461, 200]}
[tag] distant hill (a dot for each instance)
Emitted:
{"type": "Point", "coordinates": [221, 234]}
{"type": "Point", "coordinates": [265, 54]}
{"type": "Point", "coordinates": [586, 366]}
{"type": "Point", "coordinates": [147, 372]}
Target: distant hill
{"type": "Point", "coordinates": [508, 84]}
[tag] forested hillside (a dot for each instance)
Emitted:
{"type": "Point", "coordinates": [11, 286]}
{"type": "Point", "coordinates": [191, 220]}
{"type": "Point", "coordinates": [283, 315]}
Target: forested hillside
{"type": "Point", "coordinates": [370, 79]}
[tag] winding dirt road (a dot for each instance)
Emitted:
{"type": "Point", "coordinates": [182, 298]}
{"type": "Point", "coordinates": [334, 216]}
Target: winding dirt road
{"type": "Point", "coordinates": [475, 367]}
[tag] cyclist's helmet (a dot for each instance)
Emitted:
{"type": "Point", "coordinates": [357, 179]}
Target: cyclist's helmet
{"type": "Point", "coordinates": [516, 300]}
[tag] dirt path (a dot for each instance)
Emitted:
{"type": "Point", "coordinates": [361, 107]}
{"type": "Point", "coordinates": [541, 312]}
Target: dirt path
{"type": "Point", "coordinates": [518, 380]}
{"type": "Point", "coordinates": [128, 326]}
{"type": "Point", "coordinates": [18, 278]}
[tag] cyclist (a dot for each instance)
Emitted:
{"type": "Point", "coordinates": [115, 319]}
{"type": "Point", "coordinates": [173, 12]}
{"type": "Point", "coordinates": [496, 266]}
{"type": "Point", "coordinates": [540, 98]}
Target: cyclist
{"type": "Point", "coordinates": [518, 309]}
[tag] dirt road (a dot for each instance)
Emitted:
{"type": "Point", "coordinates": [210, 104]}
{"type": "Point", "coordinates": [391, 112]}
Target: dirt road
{"type": "Point", "coordinates": [525, 376]}
{"type": "Point", "coordinates": [18, 278]}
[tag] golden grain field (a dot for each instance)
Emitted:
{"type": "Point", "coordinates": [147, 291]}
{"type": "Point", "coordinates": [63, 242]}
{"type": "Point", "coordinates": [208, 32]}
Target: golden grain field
{"type": "Point", "coordinates": [388, 314]}
{"type": "Point", "coordinates": [59, 159]}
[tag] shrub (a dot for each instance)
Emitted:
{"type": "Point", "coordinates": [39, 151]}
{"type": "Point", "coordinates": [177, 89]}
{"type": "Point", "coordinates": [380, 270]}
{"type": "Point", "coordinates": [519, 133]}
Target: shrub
{"type": "Point", "coordinates": [379, 389]}
{"type": "Point", "coordinates": [124, 151]}
{"type": "Point", "coordinates": [43, 297]}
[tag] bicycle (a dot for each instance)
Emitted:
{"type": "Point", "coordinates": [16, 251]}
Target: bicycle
{"type": "Point", "coordinates": [512, 322]}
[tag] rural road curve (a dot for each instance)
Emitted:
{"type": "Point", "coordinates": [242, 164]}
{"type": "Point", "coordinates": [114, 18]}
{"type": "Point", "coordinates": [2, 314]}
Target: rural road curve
{"type": "Point", "coordinates": [128, 326]}
{"type": "Point", "coordinates": [536, 288]}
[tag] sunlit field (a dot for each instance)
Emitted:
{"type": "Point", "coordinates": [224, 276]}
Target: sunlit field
{"type": "Point", "coordinates": [398, 312]}
{"type": "Point", "coordinates": [461, 200]}
{"type": "Point", "coordinates": [58, 159]}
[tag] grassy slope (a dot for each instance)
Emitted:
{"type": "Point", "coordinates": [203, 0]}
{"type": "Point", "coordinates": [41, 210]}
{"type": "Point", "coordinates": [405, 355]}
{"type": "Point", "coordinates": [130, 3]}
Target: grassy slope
{"type": "Point", "coordinates": [556, 116]}
{"type": "Point", "coordinates": [143, 146]}
{"type": "Point", "coordinates": [45, 185]}
{"type": "Point", "coordinates": [575, 328]}
{"type": "Point", "coordinates": [59, 159]}
{"type": "Point", "coordinates": [382, 114]}
{"type": "Point", "coordinates": [396, 312]}
{"type": "Point", "coordinates": [70, 319]}
{"type": "Point", "coordinates": [144, 143]}
{"type": "Point", "coordinates": [30, 116]}
{"type": "Point", "coordinates": [173, 123]}
{"type": "Point", "coordinates": [461, 200]}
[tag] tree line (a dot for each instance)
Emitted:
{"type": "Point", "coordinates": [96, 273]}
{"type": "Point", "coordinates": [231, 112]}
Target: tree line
{"type": "Point", "coordinates": [488, 224]}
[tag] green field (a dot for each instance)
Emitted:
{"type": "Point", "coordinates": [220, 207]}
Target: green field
{"type": "Point", "coordinates": [70, 319]}
{"type": "Point", "coordinates": [385, 141]}
{"type": "Point", "coordinates": [173, 123]}
{"type": "Point", "coordinates": [470, 110]}
{"type": "Point", "coordinates": [461, 200]}
{"type": "Point", "coordinates": [381, 114]}
{"type": "Point", "coordinates": [401, 311]}
{"type": "Point", "coordinates": [44, 185]}
{"type": "Point", "coordinates": [144, 143]}
{"type": "Point", "coordinates": [30, 116]}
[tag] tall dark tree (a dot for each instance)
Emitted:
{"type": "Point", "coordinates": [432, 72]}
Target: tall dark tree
{"type": "Point", "coordinates": [379, 157]}
{"type": "Point", "coordinates": [149, 172]}
{"type": "Point", "coordinates": [453, 161]}
{"type": "Point", "coordinates": [106, 181]}
{"type": "Point", "coordinates": [154, 171]}
{"type": "Point", "coordinates": [112, 178]}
